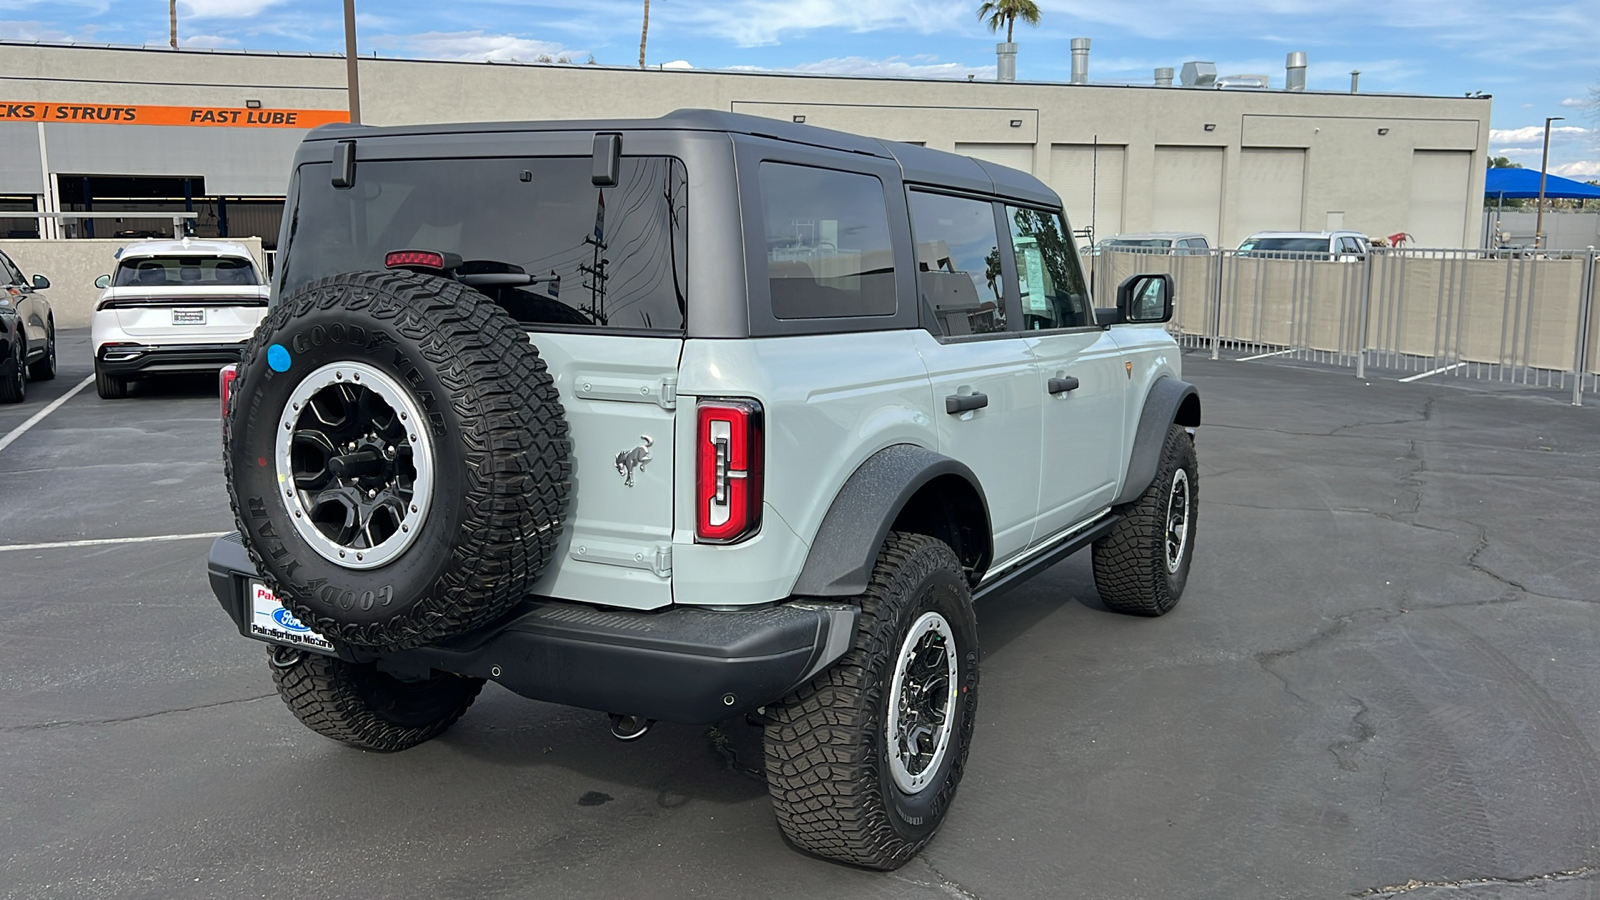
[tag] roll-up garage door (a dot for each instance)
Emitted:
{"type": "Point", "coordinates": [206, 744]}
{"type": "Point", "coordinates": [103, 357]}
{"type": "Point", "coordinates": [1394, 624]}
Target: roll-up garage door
{"type": "Point", "coordinates": [1439, 186]}
{"type": "Point", "coordinates": [1087, 175]}
{"type": "Point", "coordinates": [1017, 156]}
{"type": "Point", "coordinates": [1187, 190]}
{"type": "Point", "coordinates": [1271, 185]}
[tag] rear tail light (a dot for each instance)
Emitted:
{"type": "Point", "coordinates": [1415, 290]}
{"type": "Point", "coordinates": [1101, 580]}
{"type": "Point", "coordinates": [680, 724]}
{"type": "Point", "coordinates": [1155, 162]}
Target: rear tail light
{"type": "Point", "coordinates": [728, 460]}
{"type": "Point", "coordinates": [225, 380]}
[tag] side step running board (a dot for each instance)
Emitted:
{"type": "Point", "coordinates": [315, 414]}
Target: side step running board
{"type": "Point", "coordinates": [1045, 559]}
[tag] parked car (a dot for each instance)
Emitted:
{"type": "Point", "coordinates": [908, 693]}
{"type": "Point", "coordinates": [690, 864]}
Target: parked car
{"type": "Point", "coordinates": [174, 306]}
{"type": "Point", "coordinates": [27, 332]}
{"type": "Point", "coordinates": [1347, 246]}
{"type": "Point", "coordinates": [516, 415]}
{"type": "Point", "coordinates": [1180, 243]}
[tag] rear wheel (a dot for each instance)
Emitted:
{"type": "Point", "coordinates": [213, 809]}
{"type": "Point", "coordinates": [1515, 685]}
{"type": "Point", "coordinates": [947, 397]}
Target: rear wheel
{"type": "Point", "coordinates": [109, 387]}
{"type": "Point", "coordinates": [864, 761]}
{"type": "Point", "coordinates": [363, 707]}
{"type": "Point", "coordinates": [45, 368]}
{"type": "Point", "coordinates": [13, 374]}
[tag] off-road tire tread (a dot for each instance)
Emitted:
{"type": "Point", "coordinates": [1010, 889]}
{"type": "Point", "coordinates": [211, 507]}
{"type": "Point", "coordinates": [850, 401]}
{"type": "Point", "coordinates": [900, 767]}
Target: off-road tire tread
{"type": "Point", "coordinates": [45, 368]}
{"type": "Point", "coordinates": [518, 449]}
{"type": "Point", "coordinates": [1130, 567]}
{"type": "Point", "coordinates": [13, 385]}
{"type": "Point", "coordinates": [821, 741]}
{"type": "Point", "coordinates": [319, 690]}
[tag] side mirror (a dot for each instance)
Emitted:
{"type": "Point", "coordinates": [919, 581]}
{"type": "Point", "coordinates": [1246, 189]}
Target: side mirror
{"type": "Point", "coordinates": [40, 282]}
{"type": "Point", "coordinates": [1145, 299]}
{"type": "Point", "coordinates": [103, 282]}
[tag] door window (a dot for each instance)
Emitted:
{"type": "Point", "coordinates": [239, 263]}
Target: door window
{"type": "Point", "coordinates": [828, 250]}
{"type": "Point", "coordinates": [959, 275]}
{"type": "Point", "coordinates": [1048, 274]}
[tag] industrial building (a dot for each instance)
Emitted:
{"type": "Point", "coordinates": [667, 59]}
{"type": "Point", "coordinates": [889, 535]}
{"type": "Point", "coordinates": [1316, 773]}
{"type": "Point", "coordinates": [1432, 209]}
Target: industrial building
{"type": "Point", "coordinates": [107, 129]}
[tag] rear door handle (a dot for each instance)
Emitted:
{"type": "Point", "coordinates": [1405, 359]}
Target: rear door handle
{"type": "Point", "coordinates": [956, 404]}
{"type": "Point", "coordinates": [1062, 385]}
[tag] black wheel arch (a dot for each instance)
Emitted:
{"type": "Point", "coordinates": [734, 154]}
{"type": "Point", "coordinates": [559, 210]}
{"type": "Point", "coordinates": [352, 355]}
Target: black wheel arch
{"type": "Point", "coordinates": [902, 487]}
{"type": "Point", "coordinates": [1170, 401]}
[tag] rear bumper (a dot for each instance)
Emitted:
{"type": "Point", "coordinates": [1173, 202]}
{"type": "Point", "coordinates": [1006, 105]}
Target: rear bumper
{"type": "Point", "coordinates": [155, 359]}
{"type": "Point", "coordinates": [680, 664]}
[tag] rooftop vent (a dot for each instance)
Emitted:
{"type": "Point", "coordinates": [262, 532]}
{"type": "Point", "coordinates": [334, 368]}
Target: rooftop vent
{"type": "Point", "coordinates": [1199, 74]}
{"type": "Point", "coordinates": [1164, 76]}
{"type": "Point", "coordinates": [1080, 60]}
{"type": "Point", "coordinates": [1245, 82]}
{"type": "Point", "coordinates": [1295, 71]}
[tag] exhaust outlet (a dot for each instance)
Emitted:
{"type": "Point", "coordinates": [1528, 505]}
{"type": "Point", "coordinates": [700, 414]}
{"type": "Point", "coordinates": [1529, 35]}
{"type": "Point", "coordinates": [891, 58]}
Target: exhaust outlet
{"type": "Point", "coordinates": [630, 728]}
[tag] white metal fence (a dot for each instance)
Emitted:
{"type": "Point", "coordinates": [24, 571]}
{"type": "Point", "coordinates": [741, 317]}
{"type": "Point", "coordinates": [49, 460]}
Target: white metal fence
{"type": "Point", "coordinates": [1507, 315]}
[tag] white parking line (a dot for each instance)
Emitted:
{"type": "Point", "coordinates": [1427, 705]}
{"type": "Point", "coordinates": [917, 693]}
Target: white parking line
{"type": "Point", "coordinates": [1265, 355]}
{"type": "Point", "coordinates": [34, 419]}
{"type": "Point", "coordinates": [97, 542]}
{"type": "Point", "coordinates": [1403, 380]}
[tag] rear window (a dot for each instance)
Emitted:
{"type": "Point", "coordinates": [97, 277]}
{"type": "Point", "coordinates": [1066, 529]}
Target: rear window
{"type": "Point", "coordinates": [185, 271]}
{"type": "Point", "coordinates": [1157, 243]}
{"type": "Point", "coordinates": [601, 257]}
{"type": "Point", "coordinates": [828, 250]}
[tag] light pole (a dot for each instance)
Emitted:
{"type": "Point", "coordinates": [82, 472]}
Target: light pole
{"type": "Point", "coordinates": [1544, 165]}
{"type": "Point", "coordinates": [353, 80]}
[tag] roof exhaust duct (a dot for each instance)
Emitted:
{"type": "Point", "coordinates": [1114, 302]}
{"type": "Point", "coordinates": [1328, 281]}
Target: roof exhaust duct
{"type": "Point", "coordinates": [1164, 76]}
{"type": "Point", "coordinates": [1355, 81]}
{"type": "Point", "coordinates": [1005, 61]}
{"type": "Point", "coordinates": [1199, 74]}
{"type": "Point", "coordinates": [1295, 77]}
{"type": "Point", "coordinates": [1080, 60]}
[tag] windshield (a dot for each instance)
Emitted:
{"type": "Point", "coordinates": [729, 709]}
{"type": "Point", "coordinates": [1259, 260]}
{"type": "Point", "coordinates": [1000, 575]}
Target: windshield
{"type": "Point", "coordinates": [596, 257]}
{"type": "Point", "coordinates": [1293, 245]}
{"type": "Point", "coordinates": [185, 271]}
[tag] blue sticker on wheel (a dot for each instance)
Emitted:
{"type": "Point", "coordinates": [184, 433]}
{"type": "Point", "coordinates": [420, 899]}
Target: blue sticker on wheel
{"type": "Point", "coordinates": [278, 358]}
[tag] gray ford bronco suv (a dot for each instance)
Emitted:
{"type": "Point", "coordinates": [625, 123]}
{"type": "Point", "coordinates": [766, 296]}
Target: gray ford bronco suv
{"type": "Point", "coordinates": [688, 419]}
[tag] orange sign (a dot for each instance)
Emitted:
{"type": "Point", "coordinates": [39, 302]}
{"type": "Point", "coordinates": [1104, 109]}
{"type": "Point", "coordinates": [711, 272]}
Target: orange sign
{"type": "Point", "coordinates": [220, 117]}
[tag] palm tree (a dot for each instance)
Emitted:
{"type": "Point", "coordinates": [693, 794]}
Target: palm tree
{"type": "Point", "coordinates": [172, 19]}
{"type": "Point", "coordinates": [1007, 12]}
{"type": "Point", "coordinates": [644, 32]}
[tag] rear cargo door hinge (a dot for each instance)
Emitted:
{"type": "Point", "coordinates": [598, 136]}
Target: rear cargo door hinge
{"type": "Point", "coordinates": [656, 558]}
{"type": "Point", "coordinates": [662, 392]}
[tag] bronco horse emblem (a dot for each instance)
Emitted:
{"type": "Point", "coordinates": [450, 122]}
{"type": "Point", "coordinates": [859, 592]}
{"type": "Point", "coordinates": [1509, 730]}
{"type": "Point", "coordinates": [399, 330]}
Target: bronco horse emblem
{"type": "Point", "coordinates": [637, 458]}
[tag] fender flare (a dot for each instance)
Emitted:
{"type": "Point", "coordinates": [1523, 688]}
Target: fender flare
{"type": "Point", "coordinates": [853, 530]}
{"type": "Point", "coordinates": [1169, 401]}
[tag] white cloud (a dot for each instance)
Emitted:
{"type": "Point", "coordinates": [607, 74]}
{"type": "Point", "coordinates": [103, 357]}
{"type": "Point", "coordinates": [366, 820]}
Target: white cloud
{"type": "Point", "coordinates": [677, 64]}
{"type": "Point", "coordinates": [223, 9]}
{"type": "Point", "coordinates": [889, 67]}
{"type": "Point", "coordinates": [206, 41]}
{"type": "Point", "coordinates": [1581, 169]}
{"type": "Point", "coordinates": [32, 31]}
{"type": "Point", "coordinates": [1578, 102]}
{"type": "Point", "coordinates": [474, 46]}
{"type": "Point", "coordinates": [1532, 133]}
{"type": "Point", "coordinates": [751, 23]}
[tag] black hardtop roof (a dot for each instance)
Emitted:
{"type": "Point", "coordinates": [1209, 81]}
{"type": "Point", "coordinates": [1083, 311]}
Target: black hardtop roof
{"type": "Point", "coordinates": [919, 165]}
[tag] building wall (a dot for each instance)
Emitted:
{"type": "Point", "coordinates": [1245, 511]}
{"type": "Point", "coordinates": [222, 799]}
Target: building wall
{"type": "Point", "coordinates": [1382, 163]}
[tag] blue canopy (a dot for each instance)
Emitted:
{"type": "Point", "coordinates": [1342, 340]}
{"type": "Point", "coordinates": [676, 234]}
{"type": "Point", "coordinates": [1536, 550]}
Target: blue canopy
{"type": "Point", "coordinates": [1523, 183]}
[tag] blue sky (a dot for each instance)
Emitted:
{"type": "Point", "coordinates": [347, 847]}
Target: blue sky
{"type": "Point", "coordinates": [1537, 57]}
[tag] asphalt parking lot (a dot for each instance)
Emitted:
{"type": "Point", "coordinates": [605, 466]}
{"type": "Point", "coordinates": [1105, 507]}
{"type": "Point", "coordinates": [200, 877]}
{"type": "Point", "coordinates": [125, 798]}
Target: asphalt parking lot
{"type": "Point", "coordinates": [1381, 682]}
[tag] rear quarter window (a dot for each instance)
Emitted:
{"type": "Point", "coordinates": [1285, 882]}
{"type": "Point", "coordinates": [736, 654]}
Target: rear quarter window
{"type": "Point", "coordinates": [828, 249]}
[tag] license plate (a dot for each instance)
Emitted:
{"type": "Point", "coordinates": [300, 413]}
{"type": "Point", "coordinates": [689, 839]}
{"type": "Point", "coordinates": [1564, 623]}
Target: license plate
{"type": "Point", "coordinates": [269, 621]}
{"type": "Point", "coordinates": [189, 316]}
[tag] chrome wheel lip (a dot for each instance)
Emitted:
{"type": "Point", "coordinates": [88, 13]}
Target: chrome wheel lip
{"type": "Point", "coordinates": [1175, 539]}
{"type": "Point", "coordinates": [928, 624]}
{"type": "Point", "coordinates": [407, 409]}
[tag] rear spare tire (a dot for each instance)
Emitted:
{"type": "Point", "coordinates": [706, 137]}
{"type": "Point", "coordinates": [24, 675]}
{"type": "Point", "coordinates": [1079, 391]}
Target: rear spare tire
{"type": "Point", "coordinates": [397, 458]}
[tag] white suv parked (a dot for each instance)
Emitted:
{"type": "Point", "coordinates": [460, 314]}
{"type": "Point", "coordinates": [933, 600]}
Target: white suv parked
{"type": "Point", "coordinates": [687, 419]}
{"type": "Point", "coordinates": [174, 306]}
{"type": "Point", "coordinates": [1345, 246]}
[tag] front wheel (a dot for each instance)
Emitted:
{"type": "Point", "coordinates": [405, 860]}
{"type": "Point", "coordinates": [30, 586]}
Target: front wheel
{"type": "Point", "coordinates": [863, 762]}
{"type": "Point", "coordinates": [1141, 566]}
{"type": "Point", "coordinates": [366, 708]}
{"type": "Point", "coordinates": [45, 368]}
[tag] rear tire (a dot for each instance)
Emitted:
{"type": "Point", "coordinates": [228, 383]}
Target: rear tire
{"type": "Point", "coordinates": [109, 387]}
{"type": "Point", "coordinates": [45, 369]}
{"type": "Point", "coordinates": [841, 788]}
{"type": "Point", "coordinates": [13, 375]}
{"type": "Point", "coordinates": [363, 707]}
{"type": "Point", "coordinates": [1141, 566]}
